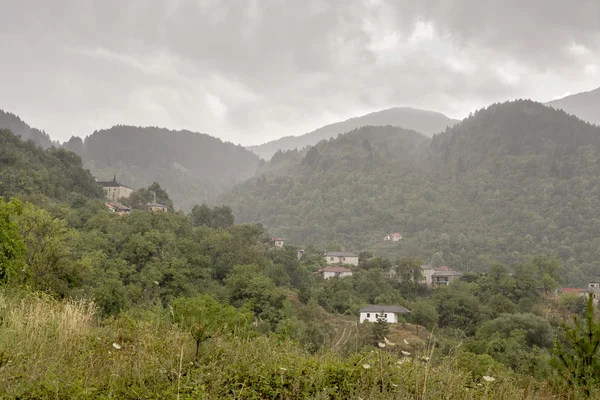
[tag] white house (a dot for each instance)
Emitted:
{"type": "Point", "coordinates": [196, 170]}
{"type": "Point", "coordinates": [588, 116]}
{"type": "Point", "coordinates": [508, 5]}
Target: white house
{"type": "Point", "coordinates": [392, 313]}
{"type": "Point", "coordinates": [278, 241]}
{"type": "Point", "coordinates": [341, 257]}
{"type": "Point", "coordinates": [394, 237]}
{"type": "Point", "coordinates": [330, 271]}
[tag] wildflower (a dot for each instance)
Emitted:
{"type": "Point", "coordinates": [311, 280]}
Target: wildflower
{"type": "Point", "coordinates": [283, 369]}
{"type": "Point", "coordinates": [366, 366]}
{"type": "Point", "coordinates": [425, 358]}
{"type": "Point", "coordinates": [388, 342]}
{"type": "Point", "coordinates": [394, 385]}
{"type": "Point", "coordinates": [156, 283]}
{"type": "Point", "coordinates": [117, 346]}
{"type": "Point", "coordinates": [488, 378]}
{"type": "Point", "coordinates": [405, 341]}
{"type": "Point", "coordinates": [405, 353]}
{"type": "Point", "coordinates": [402, 361]}
{"type": "Point", "coordinates": [382, 345]}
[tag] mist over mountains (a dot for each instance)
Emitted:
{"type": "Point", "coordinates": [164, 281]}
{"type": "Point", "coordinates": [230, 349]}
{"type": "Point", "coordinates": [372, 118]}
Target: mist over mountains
{"type": "Point", "coordinates": [424, 121]}
{"type": "Point", "coordinates": [585, 105]}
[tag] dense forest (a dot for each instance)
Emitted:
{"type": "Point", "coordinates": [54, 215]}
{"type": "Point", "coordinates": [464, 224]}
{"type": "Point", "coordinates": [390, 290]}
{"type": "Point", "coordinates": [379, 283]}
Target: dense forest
{"type": "Point", "coordinates": [193, 167]}
{"type": "Point", "coordinates": [192, 305]}
{"type": "Point", "coordinates": [423, 121]}
{"type": "Point", "coordinates": [511, 181]}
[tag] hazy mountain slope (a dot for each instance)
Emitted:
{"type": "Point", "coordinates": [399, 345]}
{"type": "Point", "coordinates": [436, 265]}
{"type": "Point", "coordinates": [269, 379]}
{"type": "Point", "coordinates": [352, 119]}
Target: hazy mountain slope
{"type": "Point", "coordinates": [192, 167]}
{"type": "Point", "coordinates": [28, 171]}
{"type": "Point", "coordinates": [426, 122]}
{"type": "Point", "coordinates": [513, 180]}
{"type": "Point", "coordinates": [585, 105]}
{"type": "Point", "coordinates": [18, 127]}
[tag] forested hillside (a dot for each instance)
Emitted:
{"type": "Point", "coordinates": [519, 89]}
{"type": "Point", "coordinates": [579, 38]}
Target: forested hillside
{"type": "Point", "coordinates": [512, 180]}
{"type": "Point", "coordinates": [191, 166]}
{"type": "Point", "coordinates": [424, 121]}
{"type": "Point", "coordinates": [98, 305]}
{"type": "Point", "coordinates": [32, 173]}
{"type": "Point", "coordinates": [20, 128]}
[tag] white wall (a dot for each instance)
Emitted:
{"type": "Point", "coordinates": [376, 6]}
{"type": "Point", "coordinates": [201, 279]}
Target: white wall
{"type": "Point", "coordinates": [327, 275]}
{"type": "Point", "coordinates": [342, 260]}
{"type": "Point", "coordinates": [392, 318]}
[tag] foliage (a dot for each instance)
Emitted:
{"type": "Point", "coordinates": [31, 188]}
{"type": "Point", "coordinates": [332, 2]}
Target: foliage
{"type": "Point", "coordinates": [33, 173]}
{"type": "Point", "coordinates": [512, 181]}
{"type": "Point", "coordinates": [191, 166]}
{"type": "Point", "coordinates": [381, 327]}
{"type": "Point", "coordinates": [12, 247]}
{"type": "Point", "coordinates": [576, 357]}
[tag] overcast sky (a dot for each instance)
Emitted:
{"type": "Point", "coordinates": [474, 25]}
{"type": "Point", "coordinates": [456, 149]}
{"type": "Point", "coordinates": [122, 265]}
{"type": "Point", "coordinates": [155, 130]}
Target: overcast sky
{"type": "Point", "coordinates": [249, 71]}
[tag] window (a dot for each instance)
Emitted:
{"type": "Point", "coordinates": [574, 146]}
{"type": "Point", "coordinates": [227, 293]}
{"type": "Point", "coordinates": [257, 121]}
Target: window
{"type": "Point", "coordinates": [368, 315]}
{"type": "Point", "coordinates": [330, 258]}
{"type": "Point", "coordinates": [343, 258]}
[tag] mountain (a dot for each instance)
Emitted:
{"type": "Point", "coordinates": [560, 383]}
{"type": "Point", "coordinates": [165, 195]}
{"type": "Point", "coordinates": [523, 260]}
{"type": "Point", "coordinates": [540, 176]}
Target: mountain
{"type": "Point", "coordinates": [18, 127]}
{"type": "Point", "coordinates": [192, 167]}
{"type": "Point", "coordinates": [426, 122]}
{"type": "Point", "coordinates": [511, 181]}
{"type": "Point", "coordinates": [28, 171]}
{"type": "Point", "coordinates": [585, 105]}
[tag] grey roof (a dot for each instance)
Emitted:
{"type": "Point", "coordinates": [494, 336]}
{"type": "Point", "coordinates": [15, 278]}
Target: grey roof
{"type": "Point", "coordinates": [340, 254]}
{"type": "Point", "coordinates": [156, 205]}
{"type": "Point", "coordinates": [112, 184]}
{"type": "Point", "coordinates": [391, 309]}
{"type": "Point", "coordinates": [447, 273]}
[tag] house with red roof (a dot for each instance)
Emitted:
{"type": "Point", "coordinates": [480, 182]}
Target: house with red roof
{"type": "Point", "coordinates": [330, 271]}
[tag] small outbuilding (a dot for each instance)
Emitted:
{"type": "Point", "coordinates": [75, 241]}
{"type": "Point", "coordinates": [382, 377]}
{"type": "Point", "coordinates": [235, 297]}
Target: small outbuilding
{"type": "Point", "coordinates": [392, 313]}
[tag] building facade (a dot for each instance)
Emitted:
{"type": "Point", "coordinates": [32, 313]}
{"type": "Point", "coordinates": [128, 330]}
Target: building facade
{"type": "Point", "coordinates": [392, 313]}
{"type": "Point", "coordinates": [341, 257]}
{"type": "Point", "coordinates": [114, 190]}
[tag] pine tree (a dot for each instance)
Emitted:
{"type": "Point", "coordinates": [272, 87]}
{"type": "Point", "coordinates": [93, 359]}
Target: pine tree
{"type": "Point", "coordinates": [381, 327]}
{"type": "Point", "coordinates": [578, 362]}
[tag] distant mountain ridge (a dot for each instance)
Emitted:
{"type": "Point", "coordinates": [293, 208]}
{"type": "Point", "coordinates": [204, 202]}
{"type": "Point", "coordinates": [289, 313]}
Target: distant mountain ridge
{"type": "Point", "coordinates": [585, 105]}
{"type": "Point", "coordinates": [193, 167]}
{"type": "Point", "coordinates": [511, 181]}
{"type": "Point", "coordinates": [13, 123]}
{"type": "Point", "coordinates": [423, 121]}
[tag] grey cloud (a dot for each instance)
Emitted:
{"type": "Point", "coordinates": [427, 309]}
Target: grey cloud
{"type": "Point", "coordinates": [252, 70]}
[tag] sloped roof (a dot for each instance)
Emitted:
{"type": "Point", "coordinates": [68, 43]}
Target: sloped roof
{"type": "Point", "coordinates": [339, 254]}
{"type": "Point", "coordinates": [390, 309]}
{"type": "Point", "coordinates": [572, 290]}
{"type": "Point", "coordinates": [112, 184]}
{"type": "Point", "coordinates": [447, 273]}
{"type": "Point", "coordinates": [118, 206]}
{"type": "Point", "coordinates": [330, 268]}
{"type": "Point", "coordinates": [277, 239]}
{"type": "Point", "coordinates": [156, 205]}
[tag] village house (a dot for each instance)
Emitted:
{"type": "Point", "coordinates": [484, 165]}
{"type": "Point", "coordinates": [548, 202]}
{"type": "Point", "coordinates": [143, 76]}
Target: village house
{"type": "Point", "coordinates": [593, 287]}
{"type": "Point", "coordinates": [114, 190]}
{"type": "Point", "coordinates": [330, 271]}
{"type": "Point", "coordinates": [444, 276]}
{"type": "Point", "coordinates": [341, 257]}
{"type": "Point", "coordinates": [116, 207]}
{"type": "Point", "coordinates": [394, 237]}
{"type": "Point", "coordinates": [427, 271]}
{"type": "Point", "coordinates": [392, 313]}
{"type": "Point", "coordinates": [278, 241]}
{"type": "Point", "coordinates": [156, 207]}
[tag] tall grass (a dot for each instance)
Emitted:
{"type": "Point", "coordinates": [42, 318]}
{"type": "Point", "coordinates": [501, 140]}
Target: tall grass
{"type": "Point", "coordinates": [52, 349]}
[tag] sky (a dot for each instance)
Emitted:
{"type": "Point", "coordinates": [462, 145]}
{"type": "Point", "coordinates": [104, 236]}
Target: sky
{"type": "Point", "coordinates": [250, 71]}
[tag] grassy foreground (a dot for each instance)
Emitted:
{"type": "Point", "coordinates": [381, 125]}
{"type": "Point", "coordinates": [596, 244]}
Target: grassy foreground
{"type": "Point", "coordinates": [52, 349]}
